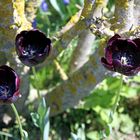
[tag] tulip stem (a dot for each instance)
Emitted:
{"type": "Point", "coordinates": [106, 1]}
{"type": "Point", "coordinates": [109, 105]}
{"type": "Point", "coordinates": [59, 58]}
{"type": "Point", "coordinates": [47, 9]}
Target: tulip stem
{"type": "Point", "coordinates": [36, 79]}
{"type": "Point", "coordinates": [117, 96]}
{"type": "Point", "coordinates": [113, 110]}
{"type": "Point", "coordinates": [116, 103]}
{"type": "Point", "coordinates": [18, 119]}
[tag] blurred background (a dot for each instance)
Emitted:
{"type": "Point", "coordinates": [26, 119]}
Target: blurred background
{"type": "Point", "coordinates": [89, 119]}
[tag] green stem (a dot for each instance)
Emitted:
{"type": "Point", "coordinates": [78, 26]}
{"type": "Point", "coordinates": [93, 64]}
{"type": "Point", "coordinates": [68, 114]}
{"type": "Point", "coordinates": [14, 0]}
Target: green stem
{"type": "Point", "coordinates": [19, 122]}
{"type": "Point", "coordinates": [69, 11]}
{"type": "Point", "coordinates": [118, 95]}
{"type": "Point", "coordinates": [113, 110]}
{"type": "Point", "coordinates": [36, 79]}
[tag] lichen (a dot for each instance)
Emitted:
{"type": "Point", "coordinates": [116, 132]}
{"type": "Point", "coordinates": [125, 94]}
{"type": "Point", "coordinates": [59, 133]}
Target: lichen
{"type": "Point", "coordinates": [102, 44]}
{"type": "Point", "coordinates": [31, 9]}
{"type": "Point", "coordinates": [55, 102]}
{"type": "Point", "coordinates": [93, 61]}
{"type": "Point", "coordinates": [123, 15]}
{"type": "Point", "coordinates": [6, 20]}
{"type": "Point", "coordinates": [71, 88]}
{"type": "Point", "coordinates": [12, 20]}
{"type": "Point", "coordinates": [19, 15]}
{"type": "Point", "coordinates": [100, 2]}
{"type": "Point", "coordinates": [123, 4]}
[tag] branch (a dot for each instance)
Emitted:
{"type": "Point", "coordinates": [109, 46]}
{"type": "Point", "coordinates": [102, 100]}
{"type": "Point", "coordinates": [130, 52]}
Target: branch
{"type": "Point", "coordinates": [86, 38]}
{"type": "Point", "coordinates": [82, 51]}
{"type": "Point", "coordinates": [75, 30]}
{"type": "Point", "coordinates": [79, 85]}
{"type": "Point", "coordinates": [137, 12]}
{"type": "Point", "coordinates": [31, 7]}
{"type": "Point", "coordinates": [124, 16]}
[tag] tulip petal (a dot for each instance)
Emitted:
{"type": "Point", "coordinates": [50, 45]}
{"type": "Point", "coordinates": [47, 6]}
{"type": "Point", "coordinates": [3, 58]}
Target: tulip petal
{"type": "Point", "coordinates": [106, 64]}
{"type": "Point", "coordinates": [112, 39]}
{"type": "Point", "coordinates": [137, 42]}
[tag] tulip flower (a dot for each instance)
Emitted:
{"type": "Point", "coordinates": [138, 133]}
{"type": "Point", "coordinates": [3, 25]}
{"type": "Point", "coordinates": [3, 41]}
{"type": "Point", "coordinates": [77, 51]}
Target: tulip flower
{"type": "Point", "coordinates": [32, 47]}
{"type": "Point", "coordinates": [9, 85]}
{"type": "Point", "coordinates": [122, 55]}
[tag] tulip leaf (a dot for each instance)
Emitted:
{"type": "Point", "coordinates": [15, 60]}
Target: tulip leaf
{"type": "Point", "coordinates": [35, 118]}
{"type": "Point", "coordinates": [93, 135]}
{"type": "Point", "coordinates": [46, 118]}
{"type": "Point", "coordinates": [26, 137]}
{"type": "Point", "coordinates": [56, 7]}
{"type": "Point", "coordinates": [46, 125]}
{"type": "Point", "coordinates": [46, 129]}
{"type": "Point", "coordinates": [75, 137]}
{"type": "Point", "coordinates": [42, 107]}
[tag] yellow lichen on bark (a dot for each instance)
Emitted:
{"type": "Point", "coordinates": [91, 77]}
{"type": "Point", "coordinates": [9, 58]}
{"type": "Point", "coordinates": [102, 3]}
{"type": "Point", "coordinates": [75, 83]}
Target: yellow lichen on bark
{"type": "Point", "coordinates": [12, 19]}
{"type": "Point", "coordinates": [91, 78]}
{"type": "Point", "coordinates": [72, 88]}
{"type": "Point", "coordinates": [102, 45]}
{"type": "Point", "coordinates": [31, 7]}
{"type": "Point", "coordinates": [19, 15]}
{"type": "Point", "coordinates": [73, 19]}
{"type": "Point", "coordinates": [6, 20]}
{"type": "Point", "coordinates": [123, 15]}
{"type": "Point", "coordinates": [76, 79]}
{"type": "Point", "coordinates": [100, 2]}
{"type": "Point", "coordinates": [93, 61]}
{"type": "Point", "coordinates": [87, 8]}
{"type": "Point", "coordinates": [56, 105]}
{"type": "Point", "coordinates": [124, 3]}
{"type": "Point", "coordinates": [55, 102]}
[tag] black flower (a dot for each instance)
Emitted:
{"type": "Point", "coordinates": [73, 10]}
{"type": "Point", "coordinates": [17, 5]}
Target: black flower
{"type": "Point", "coordinates": [122, 55]}
{"type": "Point", "coordinates": [32, 47]}
{"type": "Point", "coordinates": [9, 85]}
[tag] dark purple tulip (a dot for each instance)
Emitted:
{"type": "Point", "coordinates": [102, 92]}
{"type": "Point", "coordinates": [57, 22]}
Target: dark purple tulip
{"type": "Point", "coordinates": [44, 6]}
{"type": "Point", "coordinates": [66, 2]}
{"type": "Point", "coordinates": [122, 55]}
{"type": "Point", "coordinates": [32, 47]}
{"type": "Point", "coordinates": [9, 85]}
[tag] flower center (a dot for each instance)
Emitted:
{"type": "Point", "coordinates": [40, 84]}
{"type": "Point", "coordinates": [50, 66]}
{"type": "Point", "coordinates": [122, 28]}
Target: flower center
{"type": "Point", "coordinates": [126, 58]}
{"type": "Point", "coordinates": [4, 91]}
{"type": "Point", "coordinates": [29, 51]}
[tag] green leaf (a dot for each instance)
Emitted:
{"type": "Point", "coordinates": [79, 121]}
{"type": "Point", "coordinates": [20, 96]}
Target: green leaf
{"type": "Point", "coordinates": [5, 134]}
{"type": "Point", "coordinates": [56, 7]}
{"type": "Point", "coordinates": [101, 98]}
{"type": "Point", "coordinates": [26, 137]}
{"type": "Point", "coordinates": [42, 107]}
{"type": "Point", "coordinates": [110, 4]}
{"type": "Point", "coordinates": [127, 125]}
{"type": "Point", "coordinates": [35, 119]}
{"type": "Point", "coordinates": [46, 130]}
{"type": "Point", "coordinates": [93, 135]}
{"type": "Point", "coordinates": [108, 130]}
{"type": "Point", "coordinates": [74, 137]}
{"type": "Point", "coordinates": [46, 118]}
{"type": "Point", "coordinates": [81, 133]}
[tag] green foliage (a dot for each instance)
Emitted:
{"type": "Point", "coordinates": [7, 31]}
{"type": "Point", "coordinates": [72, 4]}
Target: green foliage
{"type": "Point", "coordinates": [41, 119]}
{"type": "Point", "coordinates": [57, 15]}
{"type": "Point", "coordinates": [80, 134]}
{"type": "Point", "coordinates": [90, 120]}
